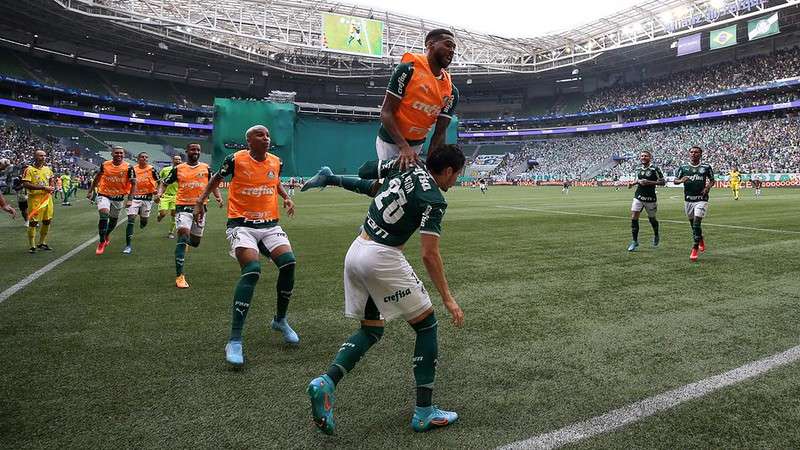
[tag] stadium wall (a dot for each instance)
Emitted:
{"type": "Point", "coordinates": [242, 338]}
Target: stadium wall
{"type": "Point", "coordinates": [304, 143]}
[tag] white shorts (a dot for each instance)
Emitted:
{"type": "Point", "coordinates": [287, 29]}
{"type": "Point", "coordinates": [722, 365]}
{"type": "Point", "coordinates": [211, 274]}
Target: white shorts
{"type": "Point", "coordinates": [391, 151]}
{"type": "Point", "coordinates": [638, 206]}
{"type": "Point", "coordinates": [140, 208]}
{"type": "Point", "coordinates": [246, 237]}
{"type": "Point", "coordinates": [696, 209]}
{"type": "Point", "coordinates": [186, 220]}
{"type": "Point", "coordinates": [113, 206]}
{"type": "Point", "coordinates": [382, 273]}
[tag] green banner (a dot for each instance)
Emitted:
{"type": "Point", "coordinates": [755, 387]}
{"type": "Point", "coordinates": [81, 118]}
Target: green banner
{"type": "Point", "coordinates": [763, 27]}
{"type": "Point", "coordinates": [232, 118]}
{"type": "Point", "coordinates": [724, 37]}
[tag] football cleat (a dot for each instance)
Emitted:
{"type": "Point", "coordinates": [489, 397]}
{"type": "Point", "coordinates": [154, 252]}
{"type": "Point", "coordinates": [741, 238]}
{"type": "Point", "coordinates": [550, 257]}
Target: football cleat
{"type": "Point", "coordinates": [702, 246]}
{"type": "Point", "coordinates": [127, 250]}
{"type": "Point", "coordinates": [171, 235]}
{"type": "Point", "coordinates": [430, 417]}
{"type": "Point", "coordinates": [318, 180]}
{"type": "Point", "coordinates": [32, 250]}
{"type": "Point", "coordinates": [180, 282]}
{"type": "Point", "coordinates": [289, 336]}
{"type": "Point", "coordinates": [101, 247]}
{"type": "Point", "coordinates": [43, 246]}
{"type": "Point", "coordinates": [693, 255]}
{"type": "Point", "coordinates": [233, 353]}
{"type": "Point", "coordinates": [320, 391]}
{"type": "Point", "coordinates": [633, 246]}
{"type": "Point", "coordinates": [656, 240]}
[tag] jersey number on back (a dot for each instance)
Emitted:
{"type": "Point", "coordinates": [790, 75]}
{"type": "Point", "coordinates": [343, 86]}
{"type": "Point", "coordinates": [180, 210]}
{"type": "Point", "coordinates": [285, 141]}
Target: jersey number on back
{"type": "Point", "coordinates": [393, 210]}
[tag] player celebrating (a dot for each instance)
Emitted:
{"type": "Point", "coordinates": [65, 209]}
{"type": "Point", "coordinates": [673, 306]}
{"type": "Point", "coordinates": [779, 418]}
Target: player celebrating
{"type": "Point", "coordinates": [697, 180]}
{"type": "Point", "coordinates": [114, 180]}
{"type": "Point", "coordinates": [252, 227]}
{"type": "Point", "coordinates": [757, 186]}
{"type": "Point", "coordinates": [647, 178]}
{"type": "Point", "coordinates": [191, 177]}
{"type": "Point", "coordinates": [166, 205]}
{"type": "Point", "coordinates": [146, 186]}
{"type": "Point", "coordinates": [420, 93]}
{"type": "Point", "coordinates": [735, 181]}
{"type": "Point", "coordinates": [38, 180]}
{"type": "Point", "coordinates": [380, 284]}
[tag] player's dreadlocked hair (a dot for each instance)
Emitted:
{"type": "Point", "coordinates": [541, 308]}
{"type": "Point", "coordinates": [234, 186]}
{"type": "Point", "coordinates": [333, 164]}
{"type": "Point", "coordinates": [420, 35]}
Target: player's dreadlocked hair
{"type": "Point", "coordinates": [435, 34]}
{"type": "Point", "coordinates": [444, 156]}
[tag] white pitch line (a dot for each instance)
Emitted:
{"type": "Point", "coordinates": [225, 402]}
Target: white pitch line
{"type": "Point", "coordinates": [52, 265]}
{"type": "Point", "coordinates": [604, 216]}
{"type": "Point", "coordinates": [627, 415]}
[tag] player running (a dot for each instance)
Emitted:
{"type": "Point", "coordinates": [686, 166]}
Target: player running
{"type": "Point", "coordinates": [380, 284]}
{"type": "Point", "coordinates": [252, 228]}
{"type": "Point", "coordinates": [191, 178]}
{"type": "Point", "coordinates": [420, 94]}
{"type": "Point", "coordinates": [735, 181]}
{"type": "Point", "coordinates": [166, 205]}
{"type": "Point", "coordinates": [697, 180]}
{"type": "Point", "coordinates": [146, 187]}
{"type": "Point", "coordinates": [757, 186]}
{"type": "Point", "coordinates": [114, 180]}
{"type": "Point", "coordinates": [40, 183]}
{"type": "Point", "coordinates": [648, 177]}
{"type": "Point", "coordinates": [565, 185]}
{"type": "Point", "coordinates": [482, 183]}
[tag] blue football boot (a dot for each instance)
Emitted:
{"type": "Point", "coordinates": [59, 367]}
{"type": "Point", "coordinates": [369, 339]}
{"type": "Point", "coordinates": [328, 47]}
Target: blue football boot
{"type": "Point", "coordinates": [320, 391]}
{"type": "Point", "coordinates": [289, 336]}
{"type": "Point", "coordinates": [633, 246]}
{"type": "Point", "coordinates": [233, 353]}
{"type": "Point", "coordinates": [318, 180]}
{"type": "Point", "coordinates": [430, 417]}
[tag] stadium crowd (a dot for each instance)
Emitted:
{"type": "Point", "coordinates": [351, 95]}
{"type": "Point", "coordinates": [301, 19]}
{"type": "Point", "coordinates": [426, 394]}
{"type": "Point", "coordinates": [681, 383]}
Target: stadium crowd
{"type": "Point", "coordinates": [755, 144]}
{"type": "Point", "coordinates": [748, 71]}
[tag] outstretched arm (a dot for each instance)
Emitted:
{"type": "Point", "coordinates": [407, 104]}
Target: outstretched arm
{"type": "Point", "coordinates": [435, 267]}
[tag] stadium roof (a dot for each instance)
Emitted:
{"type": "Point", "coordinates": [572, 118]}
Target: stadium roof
{"type": "Point", "coordinates": [287, 35]}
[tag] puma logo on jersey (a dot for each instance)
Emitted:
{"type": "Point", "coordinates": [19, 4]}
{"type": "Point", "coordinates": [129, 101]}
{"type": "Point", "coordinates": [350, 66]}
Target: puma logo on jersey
{"type": "Point", "coordinates": [397, 296]}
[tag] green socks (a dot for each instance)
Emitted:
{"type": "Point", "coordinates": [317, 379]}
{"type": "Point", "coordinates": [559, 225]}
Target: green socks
{"type": "Point", "coordinates": [352, 350]}
{"type": "Point", "coordinates": [285, 285]}
{"type": "Point", "coordinates": [654, 224]}
{"type": "Point", "coordinates": [356, 185]}
{"type": "Point", "coordinates": [102, 226]}
{"type": "Point", "coordinates": [129, 231]}
{"type": "Point", "coordinates": [635, 229]}
{"type": "Point", "coordinates": [242, 296]}
{"type": "Point", "coordinates": [112, 223]}
{"type": "Point", "coordinates": [426, 351]}
{"type": "Point", "coordinates": [180, 254]}
{"type": "Point", "coordinates": [697, 231]}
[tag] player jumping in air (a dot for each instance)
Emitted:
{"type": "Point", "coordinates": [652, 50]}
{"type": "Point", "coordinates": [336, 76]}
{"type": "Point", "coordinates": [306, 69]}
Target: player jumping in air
{"type": "Point", "coordinates": [648, 177]}
{"type": "Point", "coordinates": [420, 94]}
{"type": "Point", "coordinates": [735, 182]}
{"type": "Point", "coordinates": [114, 180]}
{"type": "Point", "coordinates": [192, 177]}
{"type": "Point", "coordinates": [697, 180]}
{"type": "Point", "coordinates": [253, 228]}
{"type": "Point", "coordinates": [380, 284]}
{"type": "Point", "coordinates": [146, 187]}
{"type": "Point", "coordinates": [166, 204]}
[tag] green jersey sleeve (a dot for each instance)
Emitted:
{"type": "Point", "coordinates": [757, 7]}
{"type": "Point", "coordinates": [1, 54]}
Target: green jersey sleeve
{"type": "Point", "coordinates": [450, 108]}
{"type": "Point", "coordinates": [431, 222]}
{"type": "Point", "coordinates": [400, 79]}
{"type": "Point", "coordinates": [171, 177]}
{"type": "Point", "coordinates": [226, 169]}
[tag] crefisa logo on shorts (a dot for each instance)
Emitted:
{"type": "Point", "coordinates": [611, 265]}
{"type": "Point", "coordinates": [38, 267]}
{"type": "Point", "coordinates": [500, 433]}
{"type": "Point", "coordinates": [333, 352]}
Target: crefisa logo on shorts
{"type": "Point", "coordinates": [396, 296]}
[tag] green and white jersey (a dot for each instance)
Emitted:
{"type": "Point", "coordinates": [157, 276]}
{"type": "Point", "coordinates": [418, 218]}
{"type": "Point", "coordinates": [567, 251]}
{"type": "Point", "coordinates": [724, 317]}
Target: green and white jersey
{"type": "Point", "coordinates": [172, 189]}
{"type": "Point", "coordinates": [696, 182]}
{"type": "Point", "coordinates": [649, 173]}
{"type": "Point", "coordinates": [407, 201]}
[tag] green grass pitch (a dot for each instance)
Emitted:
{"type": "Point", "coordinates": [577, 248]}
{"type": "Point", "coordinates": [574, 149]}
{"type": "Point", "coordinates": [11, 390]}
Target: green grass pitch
{"type": "Point", "coordinates": [562, 324]}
